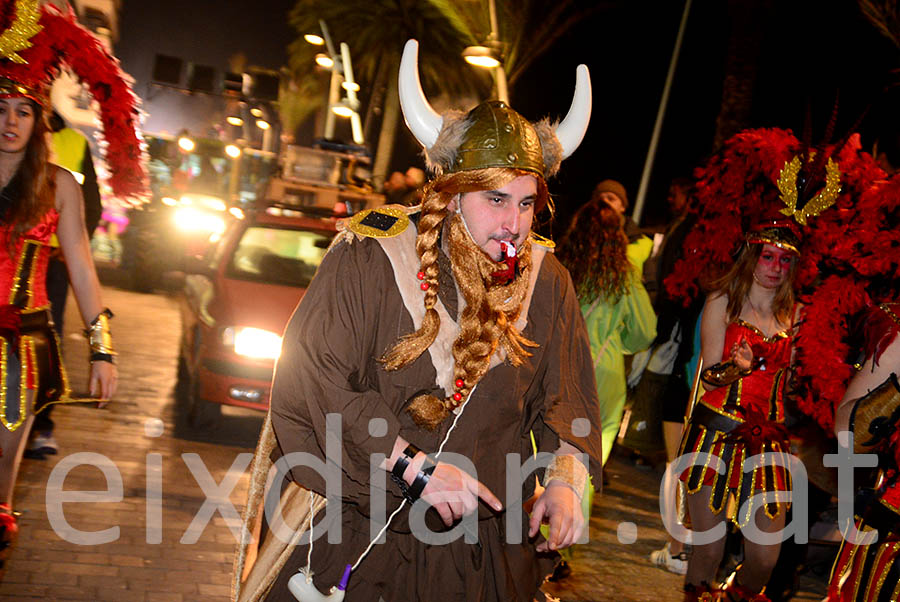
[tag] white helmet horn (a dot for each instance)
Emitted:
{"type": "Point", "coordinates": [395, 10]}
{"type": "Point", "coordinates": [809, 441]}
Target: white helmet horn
{"type": "Point", "coordinates": [424, 123]}
{"type": "Point", "coordinates": [570, 132]}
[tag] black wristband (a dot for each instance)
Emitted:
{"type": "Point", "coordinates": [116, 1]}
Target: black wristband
{"type": "Point", "coordinates": [414, 491]}
{"type": "Point", "coordinates": [411, 451]}
{"type": "Point", "coordinates": [400, 467]}
{"type": "Point", "coordinates": [421, 480]}
{"type": "Point", "coordinates": [102, 357]}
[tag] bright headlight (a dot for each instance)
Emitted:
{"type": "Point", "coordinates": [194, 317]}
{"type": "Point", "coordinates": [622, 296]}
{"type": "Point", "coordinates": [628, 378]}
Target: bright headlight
{"type": "Point", "coordinates": [192, 220]}
{"type": "Point", "coordinates": [253, 342]}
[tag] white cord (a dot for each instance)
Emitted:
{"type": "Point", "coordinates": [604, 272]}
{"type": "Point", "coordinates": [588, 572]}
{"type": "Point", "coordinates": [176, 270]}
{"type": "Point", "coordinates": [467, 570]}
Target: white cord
{"type": "Point", "coordinates": [309, 553]}
{"type": "Point", "coordinates": [380, 533]}
{"type": "Point", "coordinates": [402, 504]}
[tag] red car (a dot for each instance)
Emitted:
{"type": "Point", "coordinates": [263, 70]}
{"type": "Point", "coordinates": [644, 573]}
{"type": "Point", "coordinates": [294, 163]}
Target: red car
{"type": "Point", "coordinates": [237, 301]}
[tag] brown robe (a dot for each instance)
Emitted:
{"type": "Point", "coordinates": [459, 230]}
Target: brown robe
{"type": "Point", "coordinates": [352, 312]}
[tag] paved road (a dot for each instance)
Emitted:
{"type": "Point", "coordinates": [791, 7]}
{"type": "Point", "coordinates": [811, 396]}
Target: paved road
{"type": "Point", "coordinates": [157, 563]}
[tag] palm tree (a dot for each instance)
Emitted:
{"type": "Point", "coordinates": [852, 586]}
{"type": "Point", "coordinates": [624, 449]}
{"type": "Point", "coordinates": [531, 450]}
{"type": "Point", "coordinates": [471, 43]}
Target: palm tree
{"type": "Point", "coordinates": [298, 99]}
{"type": "Point", "coordinates": [885, 16]}
{"type": "Point", "coordinates": [747, 21]}
{"type": "Point", "coordinates": [376, 30]}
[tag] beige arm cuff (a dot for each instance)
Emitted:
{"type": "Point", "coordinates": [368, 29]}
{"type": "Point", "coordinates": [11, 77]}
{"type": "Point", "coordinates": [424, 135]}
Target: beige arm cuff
{"type": "Point", "coordinates": [568, 469]}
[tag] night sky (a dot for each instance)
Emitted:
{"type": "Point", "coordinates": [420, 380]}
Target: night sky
{"type": "Point", "coordinates": [812, 49]}
{"type": "Point", "coordinates": [205, 32]}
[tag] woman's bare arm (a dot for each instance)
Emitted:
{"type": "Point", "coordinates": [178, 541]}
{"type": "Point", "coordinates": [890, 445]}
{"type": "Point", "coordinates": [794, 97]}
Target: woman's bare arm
{"type": "Point", "coordinates": [712, 330]}
{"type": "Point", "coordinates": [76, 250]}
{"type": "Point", "coordinates": [75, 246]}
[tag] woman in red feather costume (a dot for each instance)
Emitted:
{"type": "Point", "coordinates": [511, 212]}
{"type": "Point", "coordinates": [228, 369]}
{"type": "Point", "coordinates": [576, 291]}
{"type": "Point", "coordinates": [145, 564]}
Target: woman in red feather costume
{"type": "Point", "coordinates": [746, 332]}
{"type": "Point", "coordinates": [41, 207]}
{"type": "Point", "coordinates": [836, 198]}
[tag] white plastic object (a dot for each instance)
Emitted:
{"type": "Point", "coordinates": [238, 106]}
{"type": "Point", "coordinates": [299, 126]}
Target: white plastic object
{"type": "Point", "coordinates": [302, 588]}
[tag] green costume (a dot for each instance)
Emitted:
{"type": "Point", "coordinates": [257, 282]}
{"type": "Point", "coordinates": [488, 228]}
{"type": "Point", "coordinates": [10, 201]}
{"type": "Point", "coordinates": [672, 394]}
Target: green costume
{"type": "Point", "coordinates": [627, 325]}
{"type": "Point", "coordinates": [639, 252]}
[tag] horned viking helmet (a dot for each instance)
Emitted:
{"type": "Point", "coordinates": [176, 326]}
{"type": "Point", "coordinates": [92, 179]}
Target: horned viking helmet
{"type": "Point", "coordinates": [492, 134]}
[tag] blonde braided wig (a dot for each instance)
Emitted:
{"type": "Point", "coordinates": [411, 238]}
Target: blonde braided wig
{"type": "Point", "coordinates": [487, 322]}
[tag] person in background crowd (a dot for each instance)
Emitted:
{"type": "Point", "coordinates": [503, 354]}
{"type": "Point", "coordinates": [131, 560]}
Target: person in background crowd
{"type": "Point", "coordinates": [395, 189]}
{"type": "Point", "coordinates": [616, 308]}
{"type": "Point", "coordinates": [661, 394]}
{"type": "Point", "coordinates": [660, 385]}
{"type": "Point", "coordinates": [69, 149]}
{"type": "Point", "coordinates": [415, 180]}
{"type": "Point", "coordinates": [639, 244]}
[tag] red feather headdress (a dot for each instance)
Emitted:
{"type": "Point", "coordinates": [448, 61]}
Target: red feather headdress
{"type": "Point", "coordinates": [846, 243]}
{"type": "Point", "coordinates": [35, 43]}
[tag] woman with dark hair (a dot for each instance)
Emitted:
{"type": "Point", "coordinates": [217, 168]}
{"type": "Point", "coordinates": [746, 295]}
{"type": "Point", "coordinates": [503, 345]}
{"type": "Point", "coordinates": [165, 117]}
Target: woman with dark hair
{"type": "Point", "coordinates": [746, 331]}
{"type": "Point", "coordinates": [38, 202]}
{"type": "Point", "coordinates": [40, 208]}
{"type": "Point", "coordinates": [616, 307]}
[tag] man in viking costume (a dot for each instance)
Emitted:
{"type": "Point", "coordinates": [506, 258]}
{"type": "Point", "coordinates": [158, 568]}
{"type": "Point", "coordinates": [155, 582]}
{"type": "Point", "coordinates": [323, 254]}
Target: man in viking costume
{"type": "Point", "coordinates": [443, 329]}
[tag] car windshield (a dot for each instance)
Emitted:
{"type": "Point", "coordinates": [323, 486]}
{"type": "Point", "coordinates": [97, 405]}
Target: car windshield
{"type": "Point", "coordinates": [278, 255]}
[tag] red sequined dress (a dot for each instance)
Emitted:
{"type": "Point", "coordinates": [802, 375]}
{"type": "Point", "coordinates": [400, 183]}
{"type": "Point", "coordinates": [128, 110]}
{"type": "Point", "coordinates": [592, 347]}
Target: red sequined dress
{"type": "Point", "coordinates": [29, 349]}
{"type": "Point", "coordinates": [741, 420]}
{"type": "Point", "coordinates": [872, 572]}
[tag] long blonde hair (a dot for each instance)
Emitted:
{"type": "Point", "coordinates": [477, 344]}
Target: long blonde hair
{"type": "Point", "coordinates": [737, 281]}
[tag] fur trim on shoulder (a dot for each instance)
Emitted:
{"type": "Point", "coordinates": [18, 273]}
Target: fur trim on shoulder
{"type": "Point", "coordinates": [440, 157]}
{"type": "Point", "coordinates": [552, 149]}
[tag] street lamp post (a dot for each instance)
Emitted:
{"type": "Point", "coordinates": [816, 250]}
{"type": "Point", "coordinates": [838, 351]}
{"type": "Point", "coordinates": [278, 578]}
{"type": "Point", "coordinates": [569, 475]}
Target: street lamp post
{"type": "Point", "coordinates": [660, 116]}
{"type": "Point", "coordinates": [351, 87]}
{"type": "Point", "coordinates": [341, 77]}
{"type": "Point", "coordinates": [500, 70]}
{"type": "Point", "coordinates": [490, 56]}
{"type": "Point", "coordinates": [334, 87]}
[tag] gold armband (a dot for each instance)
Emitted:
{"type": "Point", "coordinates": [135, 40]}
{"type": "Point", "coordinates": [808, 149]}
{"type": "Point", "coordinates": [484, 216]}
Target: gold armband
{"type": "Point", "coordinates": [98, 334]}
{"type": "Point", "coordinates": [723, 373]}
{"type": "Point", "coordinates": [569, 470]}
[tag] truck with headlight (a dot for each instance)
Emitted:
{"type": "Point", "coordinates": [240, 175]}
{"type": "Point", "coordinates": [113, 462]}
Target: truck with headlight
{"type": "Point", "coordinates": [198, 186]}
